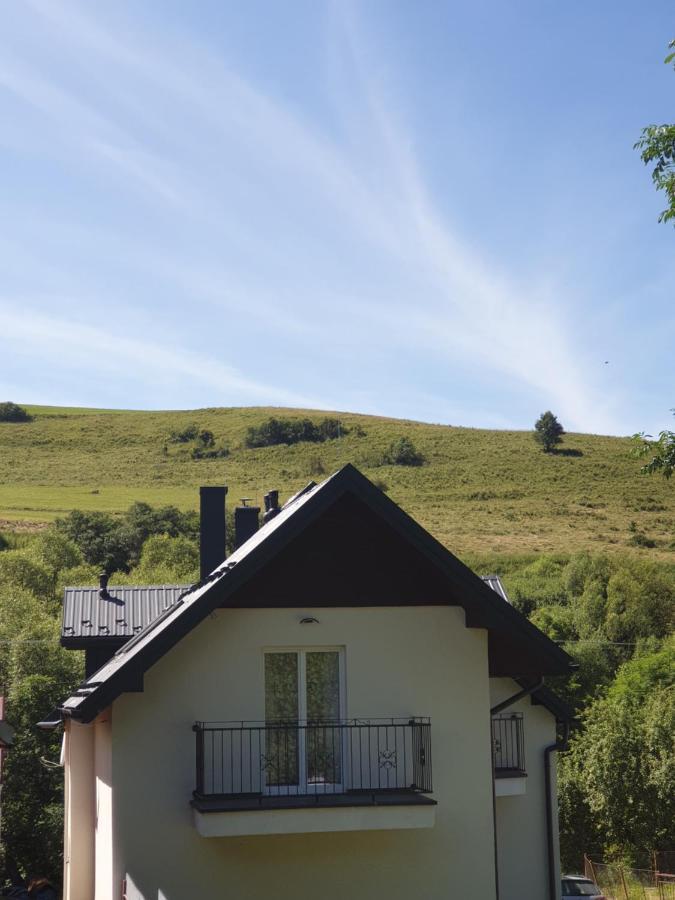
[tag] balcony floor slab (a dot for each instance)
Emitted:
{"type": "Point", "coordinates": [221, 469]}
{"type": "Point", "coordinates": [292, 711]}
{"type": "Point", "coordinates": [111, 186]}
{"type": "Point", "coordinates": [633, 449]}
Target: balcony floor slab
{"type": "Point", "coordinates": [352, 811]}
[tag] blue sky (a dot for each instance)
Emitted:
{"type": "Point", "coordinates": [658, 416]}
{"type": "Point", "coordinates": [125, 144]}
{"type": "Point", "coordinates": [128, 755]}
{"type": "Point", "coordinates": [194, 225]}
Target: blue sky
{"type": "Point", "coordinates": [430, 210]}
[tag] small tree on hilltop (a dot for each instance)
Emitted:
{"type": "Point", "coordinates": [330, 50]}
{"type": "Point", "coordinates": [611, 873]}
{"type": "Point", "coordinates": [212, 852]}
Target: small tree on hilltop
{"type": "Point", "coordinates": [548, 431]}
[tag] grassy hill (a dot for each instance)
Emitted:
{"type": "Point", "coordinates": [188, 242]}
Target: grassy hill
{"type": "Point", "coordinates": [480, 491]}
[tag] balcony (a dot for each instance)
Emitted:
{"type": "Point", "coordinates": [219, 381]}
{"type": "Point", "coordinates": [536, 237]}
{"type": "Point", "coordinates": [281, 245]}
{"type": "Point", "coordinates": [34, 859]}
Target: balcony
{"type": "Point", "coordinates": [293, 777]}
{"type": "Point", "coordinates": [508, 753]}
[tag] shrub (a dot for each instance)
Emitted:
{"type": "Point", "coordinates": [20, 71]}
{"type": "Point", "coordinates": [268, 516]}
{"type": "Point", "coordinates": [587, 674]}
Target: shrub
{"type": "Point", "coordinates": [640, 539]}
{"type": "Point", "coordinates": [12, 412]}
{"type": "Point", "coordinates": [18, 571]}
{"type": "Point", "coordinates": [548, 431]}
{"type": "Point", "coordinates": [187, 434]}
{"type": "Point", "coordinates": [209, 452]}
{"type": "Point", "coordinates": [402, 452]}
{"type": "Point", "coordinates": [273, 432]}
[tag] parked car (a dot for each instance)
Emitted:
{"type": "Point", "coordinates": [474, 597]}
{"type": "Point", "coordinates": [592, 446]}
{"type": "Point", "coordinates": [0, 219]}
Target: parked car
{"type": "Point", "coordinates": [580, 886]}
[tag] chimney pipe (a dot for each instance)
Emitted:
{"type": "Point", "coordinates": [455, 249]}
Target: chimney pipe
{"type": "Point", "coordinates": [211, 529]}
{"type": "Point", "coordinates": [271, 505]}
{"type": "Point", "coordinates": [103, 585]}
{"type": "Point", "coordinates": [245, 522]}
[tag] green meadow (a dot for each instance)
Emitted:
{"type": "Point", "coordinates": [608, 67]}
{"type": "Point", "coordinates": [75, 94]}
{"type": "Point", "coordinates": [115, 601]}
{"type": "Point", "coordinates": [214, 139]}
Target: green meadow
{"type": "Point", "coordinates": [479, 491]}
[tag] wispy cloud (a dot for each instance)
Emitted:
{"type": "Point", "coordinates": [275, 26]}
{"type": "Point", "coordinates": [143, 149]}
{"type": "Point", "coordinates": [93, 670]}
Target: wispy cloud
{"type": "Point", "coordinates": [55, 339]}
{"type": "Point", "coordinates": [350, 245]}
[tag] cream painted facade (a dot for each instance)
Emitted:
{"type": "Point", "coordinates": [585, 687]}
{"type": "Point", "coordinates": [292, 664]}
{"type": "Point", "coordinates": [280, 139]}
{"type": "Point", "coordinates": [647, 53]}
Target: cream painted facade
{"type": "Point", "coordinates": [399, 661]}
{"type": "Point", "coordinates": [130, 775]}
{"type": "Point", "coordinates": [522, 849]}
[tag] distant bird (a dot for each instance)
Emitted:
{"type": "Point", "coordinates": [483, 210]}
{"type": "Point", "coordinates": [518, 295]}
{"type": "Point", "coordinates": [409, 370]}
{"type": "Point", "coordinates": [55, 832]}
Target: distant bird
{"type": "Point", "coordinates": [606, 362]}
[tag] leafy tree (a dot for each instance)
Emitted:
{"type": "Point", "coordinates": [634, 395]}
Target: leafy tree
{"type": "Point", "coordinates": [103, 540]}
{"type": "Point", "coordinates": [167, 559]}
{"type": "Point", "coordinates": [115, 544]}
{"type": "Point", "coordinates": [640, 602]}
{"type": "Point", "coordinates": [658, 147]}
{"type": "Point", "coordinates": [555, 621]}
{"type": "Point", "coordinates": [619, 771]}
{"type": "Point", "coordinates": [548, 431]}
{"type": "Point", "coordinates": [54, 551]}
{"type": "Point", "coordinates": [402, 452]}
{"type": "Point", "coordinates": [18, 571]}
{"type": "Point", "coordinates": [661, 451]}
{"type": "Point", "coordinates": [36, 673]}
{"type": "Point", "coordinates": [12, 412]}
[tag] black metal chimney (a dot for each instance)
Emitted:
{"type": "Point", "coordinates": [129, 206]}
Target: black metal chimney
{"type": "Point", "coordinates": [211, 529]}
{"type": "Point", "coordinates": [271, 505]}
{"type": "Point", "coordinates": [245, 522]}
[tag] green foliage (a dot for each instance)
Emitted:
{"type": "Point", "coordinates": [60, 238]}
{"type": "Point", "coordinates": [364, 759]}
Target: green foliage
{"type": "Point", "coordinates": [555, 621]}
{"type": "Point", "coordinates": [661, 451]}
{"type": "Point", "coordinates": [36, 673]}
{"type": "Point", "coordinates": [548, 431]}
{"type": "Point", "coordinates": [640, 602]}
{"type": "Point", "coordinates": [657, 144]}
{"type": "Point", "coordinates": [12, 412]}
{"type": "Point", "coordinates": [274, 431]}
{"type": "Point", "coordinates": [54, 551]}
{"type": "Point", "coordinates": [485, 492]}
{"type": "Point", "coordinates": [184, 435]}
{"type": "Point", "coordinates": [643, 674]}
{"type": "Point", "coordinates": [17, 570]}
{"type": "Point", "coordinates": [402, 452]}
{"type": "Point", "coordinates": [102, 539]}
{"type": "Point", "coordinates": [114, 543]}
{"type": "Point", "coordinates": [166, 559]}
{"type": "Point", "coordinates": [209, 452]}
{"type": "Point", "coordinates": [620, 777]}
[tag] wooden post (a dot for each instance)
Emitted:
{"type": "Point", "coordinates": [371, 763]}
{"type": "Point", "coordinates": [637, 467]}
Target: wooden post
{"type": "Point", "coordinates": [623, 882]}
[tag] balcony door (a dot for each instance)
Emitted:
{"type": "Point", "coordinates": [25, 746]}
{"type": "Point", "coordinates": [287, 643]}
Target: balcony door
{"type": "Point", "coordinates": [304, 703]}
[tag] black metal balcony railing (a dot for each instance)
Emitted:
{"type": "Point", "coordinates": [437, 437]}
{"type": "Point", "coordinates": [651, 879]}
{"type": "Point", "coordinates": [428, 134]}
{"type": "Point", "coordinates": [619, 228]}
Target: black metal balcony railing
{"type": "Point", "coordinates": [508, 744]}
{"type": "Point", "coordinates": [239, 759]}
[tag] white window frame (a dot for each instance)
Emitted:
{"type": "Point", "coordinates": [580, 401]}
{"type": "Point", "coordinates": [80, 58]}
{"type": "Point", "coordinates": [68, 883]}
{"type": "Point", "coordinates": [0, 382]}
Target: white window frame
{"type": "Point", "coordinates": [303, 788]}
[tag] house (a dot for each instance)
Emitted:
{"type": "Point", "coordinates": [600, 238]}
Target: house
{"type": "Point", "coordinates": [340, 707]}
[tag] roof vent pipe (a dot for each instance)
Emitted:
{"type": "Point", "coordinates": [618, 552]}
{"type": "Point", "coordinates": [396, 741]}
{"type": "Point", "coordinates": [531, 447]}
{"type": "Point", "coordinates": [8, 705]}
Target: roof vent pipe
{"type": "Point", "coordinates": [211, 529]}
{"type": "Point", "coordinates": [271, 505]}
{"type": "Point", "coordinates": [103, 584]}
{"type": "Point", "coordinates": [245, 522]}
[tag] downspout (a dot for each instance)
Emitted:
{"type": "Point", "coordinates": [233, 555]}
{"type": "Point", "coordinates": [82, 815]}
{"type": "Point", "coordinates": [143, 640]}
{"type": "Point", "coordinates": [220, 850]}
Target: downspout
{"type": "Point", "coordinates": [496, 709]}
{"type": "Point", "coordinates": [559, 746]}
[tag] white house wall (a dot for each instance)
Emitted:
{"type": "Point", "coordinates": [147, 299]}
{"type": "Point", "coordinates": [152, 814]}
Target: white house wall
{"type": "Point", "coordinates": [522, 844]}
{"type": "Point", "coordinates": [79, 812]}
{"type": "Point", "coordinates": [398, 662]}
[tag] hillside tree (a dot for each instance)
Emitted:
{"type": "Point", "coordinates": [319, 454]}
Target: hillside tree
{"type": "Point", "coordinates": [548, 431]}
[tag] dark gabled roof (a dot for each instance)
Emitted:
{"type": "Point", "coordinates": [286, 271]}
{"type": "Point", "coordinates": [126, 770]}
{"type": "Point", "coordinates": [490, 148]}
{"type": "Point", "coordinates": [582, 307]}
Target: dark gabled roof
{"type": "Point", "coordinates": [92, 615]}
{"type": "Point", "coordinates": [547, 698]}
{"type": "Point", "coordinates": [483, 608]}
{"type": "Point", "coordinates": [543, 696]}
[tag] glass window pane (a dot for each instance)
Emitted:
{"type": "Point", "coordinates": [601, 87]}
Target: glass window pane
{"type": "Point", "coordinates": [323, 685]}
{"type": "Point", "coordinates": [280, 758]}
{"type": "Point", "coordinates": [281, 686]}
{"type": "Point", "coordinates": [324, 741]}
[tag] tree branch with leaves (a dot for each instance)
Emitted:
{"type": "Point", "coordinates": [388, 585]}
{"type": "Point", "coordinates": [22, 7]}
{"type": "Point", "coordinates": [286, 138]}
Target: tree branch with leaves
{"type": "Point", "coordinates": [658, 147]}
